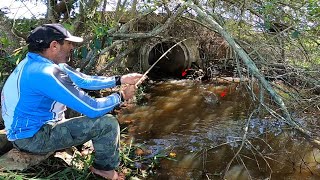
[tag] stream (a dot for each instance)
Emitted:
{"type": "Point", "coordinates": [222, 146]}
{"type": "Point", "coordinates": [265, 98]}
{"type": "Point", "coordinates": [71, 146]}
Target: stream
{"type": "Point", "coordinates": [201, 126]}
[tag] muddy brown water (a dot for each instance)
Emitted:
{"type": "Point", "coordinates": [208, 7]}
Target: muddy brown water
{"type": "Point", "coordinates": [201, 125]}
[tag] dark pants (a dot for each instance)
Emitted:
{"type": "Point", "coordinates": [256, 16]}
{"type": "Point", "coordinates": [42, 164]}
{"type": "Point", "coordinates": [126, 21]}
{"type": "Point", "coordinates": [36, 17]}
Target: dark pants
{"type": "Point", "coordinates": [104, 133]}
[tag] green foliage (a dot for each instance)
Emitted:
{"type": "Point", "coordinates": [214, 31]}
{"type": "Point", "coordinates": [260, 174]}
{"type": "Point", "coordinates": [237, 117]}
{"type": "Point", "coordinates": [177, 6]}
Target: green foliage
{"type": "Point", "coordinates": [100, 30]}
{"type": "Point", "coordinates": [99, 41]}
{"type": "Point", "coordinates": [68, 26]}
{"type": "Point", "coordinates": [313, 8]}
{"type": "Point", "coordinates": [4, 41]}
{"type": "Point", "coordinates": [8, 62]}
{"type": "Point", "coordinates": [140, 94]}
{"type": "Point", "coordinates": [24, 26]}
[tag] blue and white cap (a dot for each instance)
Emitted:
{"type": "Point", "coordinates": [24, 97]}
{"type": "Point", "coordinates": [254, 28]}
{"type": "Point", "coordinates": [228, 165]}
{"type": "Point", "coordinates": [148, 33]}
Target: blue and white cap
{"type": "Point", "coordinates": [50, 32]}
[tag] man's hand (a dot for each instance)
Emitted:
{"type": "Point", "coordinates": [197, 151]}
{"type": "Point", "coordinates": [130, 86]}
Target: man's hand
{"type": "Point", "coordinates": [131, 78]}
{"type": "Point", "coordinates": [128, 91]}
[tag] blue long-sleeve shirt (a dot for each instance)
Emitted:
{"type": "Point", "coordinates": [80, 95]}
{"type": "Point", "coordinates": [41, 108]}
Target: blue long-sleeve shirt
{"type": "Point", "coordinates": [38, 91]}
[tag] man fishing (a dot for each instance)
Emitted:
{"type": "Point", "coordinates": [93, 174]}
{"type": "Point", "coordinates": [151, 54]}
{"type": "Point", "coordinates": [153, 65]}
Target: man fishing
{"type": "Point", "coordinates": [36, 94]}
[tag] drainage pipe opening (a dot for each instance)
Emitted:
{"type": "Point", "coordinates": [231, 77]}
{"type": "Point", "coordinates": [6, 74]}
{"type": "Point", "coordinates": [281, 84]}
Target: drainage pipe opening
{"type": "Point", "coordinates": [173, 64]}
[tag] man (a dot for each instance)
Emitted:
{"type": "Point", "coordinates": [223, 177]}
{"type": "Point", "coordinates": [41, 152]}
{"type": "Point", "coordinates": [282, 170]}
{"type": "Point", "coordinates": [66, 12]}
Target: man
{"type": "Point", "coordinates": [35, 96]}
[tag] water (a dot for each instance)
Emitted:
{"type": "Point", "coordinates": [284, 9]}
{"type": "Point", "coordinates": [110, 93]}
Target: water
{"type": "Point", "coordinates": [201, 125]}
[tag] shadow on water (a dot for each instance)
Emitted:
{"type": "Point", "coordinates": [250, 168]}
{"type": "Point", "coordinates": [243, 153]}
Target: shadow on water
{"type": "Point", "coordinates": [202, 125]}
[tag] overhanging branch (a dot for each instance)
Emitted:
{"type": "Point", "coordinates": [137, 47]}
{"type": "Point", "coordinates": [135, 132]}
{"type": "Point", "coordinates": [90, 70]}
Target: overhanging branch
{"type": "Point", "coordinates": [154, 32]}
{"type": "Point", "coordinates": [252, 68]}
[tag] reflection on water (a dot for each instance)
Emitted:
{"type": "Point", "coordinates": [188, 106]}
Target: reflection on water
{"type": "Point", "coordinates": [203, 124]}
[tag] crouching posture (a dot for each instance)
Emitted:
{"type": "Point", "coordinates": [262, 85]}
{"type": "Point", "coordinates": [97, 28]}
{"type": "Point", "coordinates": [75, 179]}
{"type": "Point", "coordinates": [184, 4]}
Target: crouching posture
{"type": "Point", "coordinates": [36, 94]}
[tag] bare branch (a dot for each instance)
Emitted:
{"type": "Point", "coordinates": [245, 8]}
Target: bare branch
{"type": "Point", "coordinates": [253, 69]}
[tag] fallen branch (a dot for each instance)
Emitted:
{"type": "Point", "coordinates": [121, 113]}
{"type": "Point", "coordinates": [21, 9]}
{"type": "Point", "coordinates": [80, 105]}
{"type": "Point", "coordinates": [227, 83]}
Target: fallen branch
{"type": "Point", "coordinates": [118, 58]}
{"type": "Point", "coordinates": [253, 69]}
{"type": "Point", "coordinates": [230, 79]}
{"type": "Point", "coordinates": [152, 33]}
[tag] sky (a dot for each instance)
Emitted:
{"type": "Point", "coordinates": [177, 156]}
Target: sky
{"type": "Point", "coordinates": [27, 9]}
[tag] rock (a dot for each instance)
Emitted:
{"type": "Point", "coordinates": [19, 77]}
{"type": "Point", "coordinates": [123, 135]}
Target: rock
{"type": "Point", "coordinates": [13, 159]}
{"type": "Point", "coordinates": [71, 156]}
{"type": "Point", "coordinates": [17, 160]}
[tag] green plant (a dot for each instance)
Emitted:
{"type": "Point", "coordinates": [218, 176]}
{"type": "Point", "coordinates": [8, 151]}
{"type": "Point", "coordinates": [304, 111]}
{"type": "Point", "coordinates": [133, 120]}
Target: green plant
{"type": "Point", "coordinates": [8, 62]}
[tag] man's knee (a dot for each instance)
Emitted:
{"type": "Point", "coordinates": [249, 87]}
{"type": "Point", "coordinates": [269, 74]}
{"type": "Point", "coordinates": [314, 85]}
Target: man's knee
{"type": "Point", "coordinates": [109, 120]}
{"type": "Point", "coordinates": [108, 127]}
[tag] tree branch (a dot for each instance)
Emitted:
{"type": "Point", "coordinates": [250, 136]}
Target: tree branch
{"type": "Point", "coordinates": [154, 32]}
{"type": "Point", "coordinates": [252, 68]}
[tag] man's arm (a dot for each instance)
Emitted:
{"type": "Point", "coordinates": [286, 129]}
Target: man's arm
{"type": "Point", "coordinates": [58, 86]}
{"type": "Point", "coordinates": [90, 82]}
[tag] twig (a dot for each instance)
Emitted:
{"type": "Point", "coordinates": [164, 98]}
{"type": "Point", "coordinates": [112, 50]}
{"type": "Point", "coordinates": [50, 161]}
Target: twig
{"type": "Point", "coordinates": [244, 165]}
{"type": "Point", "coordinates": [264, 158]}
{"type": "Point", "coordinates": [303, 162]}
{"type": "Point", "coordinates": [242, 144]}
{"type": "Point", "coordinates": [255, 157]}
{"type": "Point", "coordinates": [118, 58]}
{"type": "Point", "coordinates": [152, 33]}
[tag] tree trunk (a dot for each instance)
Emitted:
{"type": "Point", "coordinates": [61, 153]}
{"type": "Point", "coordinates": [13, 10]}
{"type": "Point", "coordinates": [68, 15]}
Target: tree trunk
{"type": "Point", "coordinates": [50, 12]}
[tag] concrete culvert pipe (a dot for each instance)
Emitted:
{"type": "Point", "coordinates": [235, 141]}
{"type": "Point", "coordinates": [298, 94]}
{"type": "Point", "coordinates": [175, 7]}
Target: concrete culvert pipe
{"type": "Point", "coordinates": [171, 65]}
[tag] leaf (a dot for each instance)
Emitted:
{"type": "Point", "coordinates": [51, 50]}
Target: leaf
{"type": "Point", "coordinates": [295, 34]}
{"type": "Point", "coordinates": [69, 27]}
{"type": "Point", "coordinates": [100, 31]}
{"type": "Point", "coordinates": [267, 25]}
{"type": "Point", "coordinates": [97, 44]}
{"type": "Point", "coordinates": [84, 52]}
{"type": "Point", "coordinates": [109, 41]}
{"type": "Point", "coordinates": [4, 42]}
